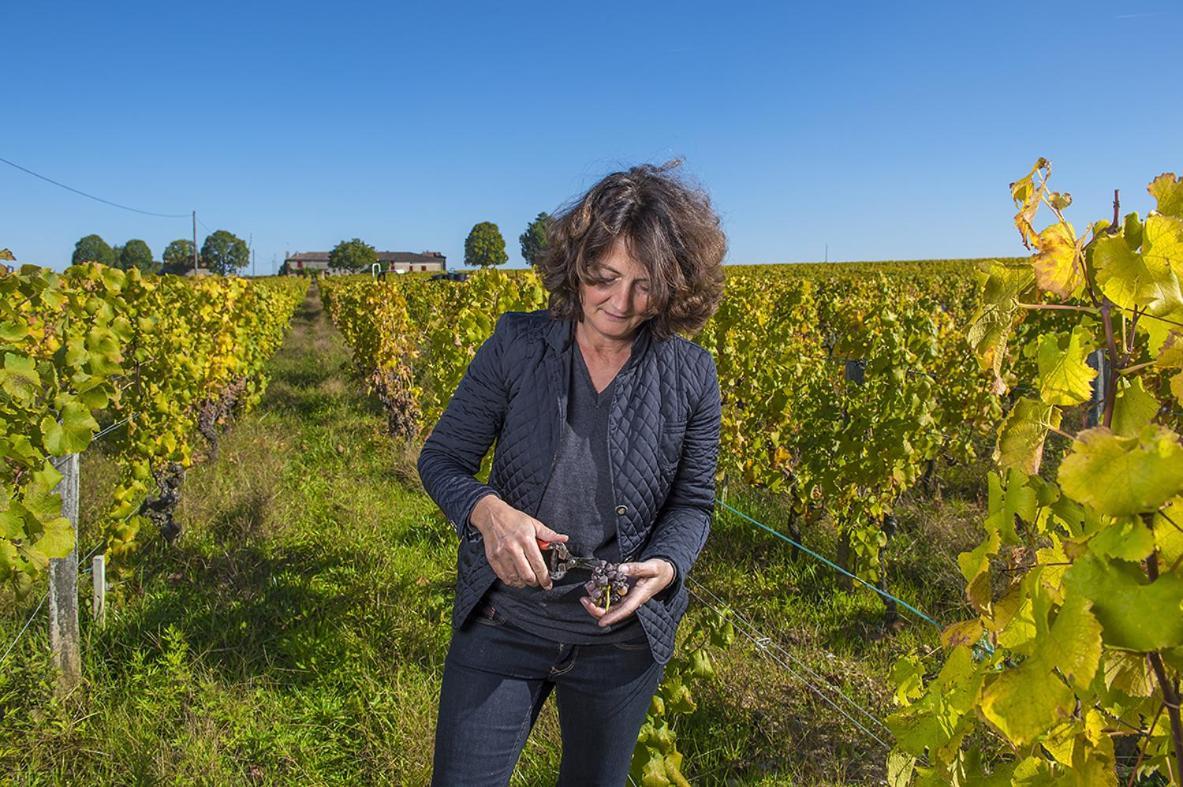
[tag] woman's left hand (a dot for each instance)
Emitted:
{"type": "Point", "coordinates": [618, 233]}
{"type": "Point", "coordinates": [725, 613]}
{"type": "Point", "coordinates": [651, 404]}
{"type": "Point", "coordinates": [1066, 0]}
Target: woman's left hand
{"type": "Point", "coordinates": [647, 579]}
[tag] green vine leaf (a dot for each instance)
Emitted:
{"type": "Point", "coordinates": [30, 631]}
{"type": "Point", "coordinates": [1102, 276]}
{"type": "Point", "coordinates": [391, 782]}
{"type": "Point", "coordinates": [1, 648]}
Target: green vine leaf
{"type": "Point", "coordinates": [1168, 531]}
{"type": "Point", "coordinates": [19, 378]}
{"type": "Point", "coordinates": [1065, 377]}
{"type": "Point", "coordinates": [1120, 476]}
{"type": "Point", "coordinates": [1022, 435]}
{"type": "Point", "coordinates": [1026, 702]}
{"type": "Point", "coordinates": [72, 434]}
{"type": "Point", "coordinates": [1145, 280]}
{"type": "Point", "coordinates": [1074, 643]}
{"type": "Point", "coordinates": [1134, 409]}
{"type": "Point", "coordinates": [1023, 703]}
{"type": "Point", "coordinates": [938, 718]}
{"type": "Point", "coordinates": [56, 540]}
{"type": "Point", "coordinates": [1115, 588]}
{"type": "Point", "coordinates": [1167, 190]}
{"type": "Point", "coordinates": [1016, 499]}
{"type": "Point", "coordinates": [1125, 539]}
{"type": "Point", "coordinates": [992, 324]}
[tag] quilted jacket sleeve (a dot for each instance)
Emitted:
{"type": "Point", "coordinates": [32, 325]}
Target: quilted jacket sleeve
{"type": "Point", "coordinates": [685, 520]}
{"type": "Point", "coordinates": [452, 454]}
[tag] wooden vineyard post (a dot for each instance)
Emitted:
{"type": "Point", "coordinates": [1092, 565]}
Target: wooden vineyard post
{"type": "Point", "coordinates": [854, 372]}
{"type": "Point", "coordinates": [63, 588]}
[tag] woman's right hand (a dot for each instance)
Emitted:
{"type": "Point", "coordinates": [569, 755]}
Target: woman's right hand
{"type": "Point", "coordinates": [511, 542]}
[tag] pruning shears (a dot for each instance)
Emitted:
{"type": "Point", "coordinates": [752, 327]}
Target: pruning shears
{"type": "Point", "coordinates": [561, 560]}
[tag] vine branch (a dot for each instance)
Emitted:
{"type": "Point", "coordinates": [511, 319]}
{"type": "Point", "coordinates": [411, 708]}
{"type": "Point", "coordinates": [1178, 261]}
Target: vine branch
{"type": "Point", "coordinates": [1170, 690]}
{"type": "Point", "coordinates": [1057, 306]}
{"type": "Point", "coordinates": [1145, 743]}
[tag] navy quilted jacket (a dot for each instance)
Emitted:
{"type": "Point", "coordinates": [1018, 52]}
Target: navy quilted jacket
{"type": "Point", "coordinates": [663, 435]}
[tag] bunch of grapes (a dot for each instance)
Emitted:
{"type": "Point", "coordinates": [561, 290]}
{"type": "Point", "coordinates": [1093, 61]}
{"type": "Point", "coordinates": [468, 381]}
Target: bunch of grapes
{"type": "Point", "coordinates": [606, 585]}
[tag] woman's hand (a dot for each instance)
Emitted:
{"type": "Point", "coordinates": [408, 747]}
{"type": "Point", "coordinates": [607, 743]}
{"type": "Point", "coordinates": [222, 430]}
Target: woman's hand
{"type": "Point", "coordinates": [650, 577]}
{"type": "Point", "coordinates": [511, 542]}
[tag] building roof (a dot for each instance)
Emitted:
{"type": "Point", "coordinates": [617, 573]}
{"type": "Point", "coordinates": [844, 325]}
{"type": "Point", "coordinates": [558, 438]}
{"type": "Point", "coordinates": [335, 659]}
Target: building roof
{"type": "Point", "coordinates": [383, 256]}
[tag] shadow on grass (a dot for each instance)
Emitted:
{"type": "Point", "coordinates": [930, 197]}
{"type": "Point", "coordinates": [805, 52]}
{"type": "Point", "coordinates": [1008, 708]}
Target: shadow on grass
{"type": "Point", "coordinates": [302, 392]}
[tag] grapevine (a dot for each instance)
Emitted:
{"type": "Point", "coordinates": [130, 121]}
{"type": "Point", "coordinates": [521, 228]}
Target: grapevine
{"type": "Point", "coordinates": [97, 344]}
{"type": "Point", "coordinates": [1077, 586]}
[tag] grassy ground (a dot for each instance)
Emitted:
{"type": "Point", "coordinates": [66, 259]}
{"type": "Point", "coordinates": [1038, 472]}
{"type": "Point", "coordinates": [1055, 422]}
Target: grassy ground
{"type": "Point", "coordinates": [296, 632]}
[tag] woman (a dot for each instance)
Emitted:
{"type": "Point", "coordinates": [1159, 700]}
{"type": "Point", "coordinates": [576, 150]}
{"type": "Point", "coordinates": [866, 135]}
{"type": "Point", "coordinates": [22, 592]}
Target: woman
{"type": "Point", "coordinates": [607, 432]}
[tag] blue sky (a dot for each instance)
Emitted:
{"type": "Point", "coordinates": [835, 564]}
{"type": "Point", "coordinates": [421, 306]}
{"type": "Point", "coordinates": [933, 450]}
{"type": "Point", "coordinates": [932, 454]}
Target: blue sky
{"type": "Point", "coordinates": [885, 130]}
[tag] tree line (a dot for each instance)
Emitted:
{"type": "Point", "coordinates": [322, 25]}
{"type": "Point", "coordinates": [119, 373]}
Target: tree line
{"type": "Point", "coordinates": [222, 253]}
{"type": "Point", "coordinates": [484, 247]}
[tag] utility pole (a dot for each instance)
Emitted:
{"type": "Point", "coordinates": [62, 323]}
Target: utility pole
{"type": "Point", "coordinates": [250, 247]}
{"type": "Point", "coordinates": [194, 244]}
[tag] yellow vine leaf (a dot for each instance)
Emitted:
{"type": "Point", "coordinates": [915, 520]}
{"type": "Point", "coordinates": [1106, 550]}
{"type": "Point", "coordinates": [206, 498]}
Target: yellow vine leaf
{"type": "Point", "coordinates": [1064, 374]}
{"type": "Point", "coordinates": [1134, 409]}
{"type": "Point", "coordinates": [1058, 263]}
{"type": "Point", "coordinates": [1167, 190]}
{"type": "Point", "coordinates": [1119, 475]}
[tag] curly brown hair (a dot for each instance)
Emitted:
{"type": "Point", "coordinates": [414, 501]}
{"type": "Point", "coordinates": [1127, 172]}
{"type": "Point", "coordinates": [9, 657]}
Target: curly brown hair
{"type": "Point", "coordinates": [671, 230]}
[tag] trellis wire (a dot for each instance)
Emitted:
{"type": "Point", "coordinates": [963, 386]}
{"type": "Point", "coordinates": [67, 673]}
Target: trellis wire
{"type": "Point", "coordinates": [40, 604]}
{"type": "Point", "coordinates": [832, 564]}
{"type": "Point", "coordinates": [764, 643]}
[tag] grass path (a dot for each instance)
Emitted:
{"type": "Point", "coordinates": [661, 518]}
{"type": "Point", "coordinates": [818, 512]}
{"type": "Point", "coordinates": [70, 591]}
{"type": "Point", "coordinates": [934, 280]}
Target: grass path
{"type": "Point", "coordinates": [296, 632]}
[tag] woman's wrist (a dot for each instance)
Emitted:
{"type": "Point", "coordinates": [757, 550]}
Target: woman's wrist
{"type": "Point", "coordinates": [482, 512]}
{"type": "Point", "coordinates": [673, 569]}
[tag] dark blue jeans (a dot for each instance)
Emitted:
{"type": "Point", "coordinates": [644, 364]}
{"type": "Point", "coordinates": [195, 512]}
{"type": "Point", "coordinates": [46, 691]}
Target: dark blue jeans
{"type": "Point", "coordinates": [496, 678]}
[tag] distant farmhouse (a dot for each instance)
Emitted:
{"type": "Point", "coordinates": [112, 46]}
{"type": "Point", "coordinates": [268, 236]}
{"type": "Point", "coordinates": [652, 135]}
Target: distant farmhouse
{"type": "Point", "coordinates": [398, 261]}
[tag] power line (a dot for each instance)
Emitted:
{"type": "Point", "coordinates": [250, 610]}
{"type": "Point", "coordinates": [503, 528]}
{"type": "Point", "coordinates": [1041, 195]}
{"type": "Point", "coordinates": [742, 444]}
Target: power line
{"type": "Point", "coordinates": [93, 197]}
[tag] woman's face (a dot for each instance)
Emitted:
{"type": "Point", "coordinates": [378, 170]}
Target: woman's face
{"type": "Point", "coordinates": [616, 301]}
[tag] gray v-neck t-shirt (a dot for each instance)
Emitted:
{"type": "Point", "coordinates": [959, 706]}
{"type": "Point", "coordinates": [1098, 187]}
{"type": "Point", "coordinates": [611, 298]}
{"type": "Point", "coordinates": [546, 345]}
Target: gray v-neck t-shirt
{"type": "Point", "coordinates": [578, 501]}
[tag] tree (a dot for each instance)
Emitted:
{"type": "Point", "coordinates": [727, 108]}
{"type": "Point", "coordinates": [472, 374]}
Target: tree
{"type": "Point", "coordinates": [178, 256]}
{"type": "Point", "coordinates": [93, 248]}
{"type": "Point", "coordinates": [136, 254]}
{"type": "Point", "coordinates": [533, 240]}
{"type": "Point", "coordinates": [353, 255]}
{"type": "Point", "coordinates": [224, 252]}
{"type": "Point", "coordinates": [485, 247]}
